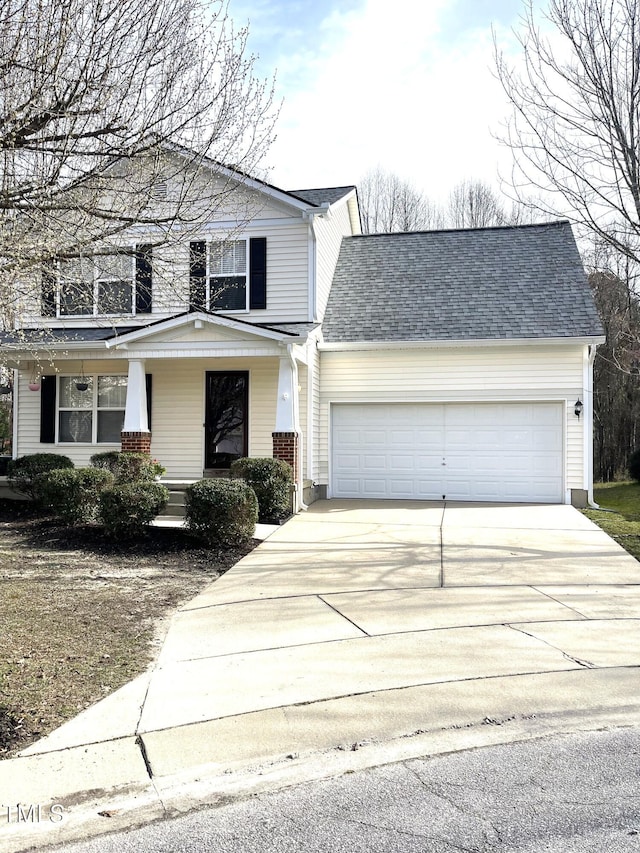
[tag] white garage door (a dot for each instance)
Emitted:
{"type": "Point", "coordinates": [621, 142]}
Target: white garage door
{"type": "Point", "coordinates": [453, 451]}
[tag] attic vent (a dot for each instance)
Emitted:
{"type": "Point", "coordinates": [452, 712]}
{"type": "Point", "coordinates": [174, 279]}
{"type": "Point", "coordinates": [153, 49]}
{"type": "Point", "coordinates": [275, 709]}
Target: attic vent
{"type": "Point", "coordinates": [159, 190]}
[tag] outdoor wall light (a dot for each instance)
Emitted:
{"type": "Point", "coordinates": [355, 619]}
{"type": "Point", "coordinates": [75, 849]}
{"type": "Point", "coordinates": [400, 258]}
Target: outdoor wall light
{"type": "Point", "coordinates": [579, 405]}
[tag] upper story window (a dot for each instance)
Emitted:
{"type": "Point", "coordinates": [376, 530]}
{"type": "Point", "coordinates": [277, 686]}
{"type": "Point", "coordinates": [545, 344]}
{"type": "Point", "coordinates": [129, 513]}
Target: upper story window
{"type": "Point", "coordinates": [98, 285]}
{"type": "Point", "coordinates": [229, 275]}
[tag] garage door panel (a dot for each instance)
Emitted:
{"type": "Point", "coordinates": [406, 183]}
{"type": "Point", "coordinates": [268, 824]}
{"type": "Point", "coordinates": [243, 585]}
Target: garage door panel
{"type": "Point", "coordinates": [401, 462]}
{"type": "Point", "coordinates": [428, 463]}
{"type": "Point", "coordinates": [493, 451]}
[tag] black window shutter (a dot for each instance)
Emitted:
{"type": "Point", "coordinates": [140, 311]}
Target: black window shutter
{"type": "Point", "coordinates": [258, 272]}
{"type": "Point", "coordinates": [149, 383]}
{"type": "Point", "coordinates": [144, 254]}
{"type": "Point", "coordinates": [47, 409]}
{"type": "Point", "coordinates": [198, 276]}
{"type": "Point", "coordinates": [49, 289]}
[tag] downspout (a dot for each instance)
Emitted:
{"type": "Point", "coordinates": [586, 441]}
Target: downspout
{"type": "Point", "coordinates": [14, 414]}
{"type": "Point", "coordinates": [312, 248]}
{"type": "Point", "coordinates": [589, 425]}
{"type": "Point", "coordinates": [311, 376]}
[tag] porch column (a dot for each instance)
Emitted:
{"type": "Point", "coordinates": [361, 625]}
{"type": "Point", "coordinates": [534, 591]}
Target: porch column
{"type": "Point", "coordinates": [135, 436]}
{"type": "Point", "coordinates": [286, 434]}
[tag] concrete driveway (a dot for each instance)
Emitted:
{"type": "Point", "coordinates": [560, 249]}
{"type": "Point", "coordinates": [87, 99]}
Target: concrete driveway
{"type": "Point", "coordinates": [376, 623]}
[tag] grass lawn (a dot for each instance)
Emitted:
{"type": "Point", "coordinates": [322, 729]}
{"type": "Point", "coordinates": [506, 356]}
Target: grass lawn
{"type": "Point", "coordinates": [80, 614]}
{"type": "Point", "coordinates": [623, 521]}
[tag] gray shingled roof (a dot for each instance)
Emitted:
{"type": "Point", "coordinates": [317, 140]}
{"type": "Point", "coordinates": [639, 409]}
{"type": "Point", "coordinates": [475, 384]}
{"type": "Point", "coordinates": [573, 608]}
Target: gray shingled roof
{"type": "Point", "coordinates": [52, 336]}
{"type": "Point", "coordinates": [322, 196]}
{"type": "Point", "coordinates": [487, 283]}
{"type": "Point", "coordinates": [34, 337]}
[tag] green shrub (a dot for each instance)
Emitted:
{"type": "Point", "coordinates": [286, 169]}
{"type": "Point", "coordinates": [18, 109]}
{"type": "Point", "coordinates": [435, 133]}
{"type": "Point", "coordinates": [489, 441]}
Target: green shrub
{"type": "Point", "coordinates": [128, 467]}
{"type": "Point", "coordinates": [22, 472]}
{"type": "Point", "coordinates": [634, 465]}
{"type": "Point", "coordinates": [222, 512]}
{"type": "Point", "coordinates": [107, 461]}
{"type": "Point", "coordinates": [127, 508]}
{"type": "Point", "coordinates": [271, 480]}
{"type": "Point", "coordinates": [73, 494]}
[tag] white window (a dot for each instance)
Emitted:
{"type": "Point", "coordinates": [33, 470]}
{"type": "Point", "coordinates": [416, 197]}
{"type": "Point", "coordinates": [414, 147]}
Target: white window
{"type": "Point", "coordinates": [76, 286]}
{"type": "Point", "coordinates": [115, 277]}
{"type": "Point", "coordinates": [92, 416]}
{"type": "Point", "coordinates": [228, 276]}
{"type": "Point", "coordinates": [102, 284]}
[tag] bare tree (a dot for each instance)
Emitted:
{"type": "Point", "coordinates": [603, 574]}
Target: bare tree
{"type": "Point", "coordinates": [473, 204]}
{"type": "Point", "coordinates": [389, 203]}
{"type": "Point", "coordinates": [108, 111]}
{"type": "Point", "coordinates": [616, 371]}
{"type": "Point", "coordinates": [575, 123]}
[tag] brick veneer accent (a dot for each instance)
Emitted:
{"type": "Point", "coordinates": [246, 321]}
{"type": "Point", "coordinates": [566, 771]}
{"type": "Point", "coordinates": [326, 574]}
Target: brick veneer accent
{"type": "Point", "coordinates": [285, 446]}
{"type": "Point", "coordinates": [135, 442]}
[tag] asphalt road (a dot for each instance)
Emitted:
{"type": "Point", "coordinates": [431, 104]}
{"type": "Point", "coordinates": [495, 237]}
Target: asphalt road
{"type": "Point", "coordinates": [561, 794]}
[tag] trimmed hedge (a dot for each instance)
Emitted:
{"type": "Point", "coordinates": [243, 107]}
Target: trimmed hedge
{"type": "Point", "coordinates": [271, 480]}
{"type": "Point", "coordinates": [73, 494]}
{"type": "Point", "coordinates": [127, 508]}
{"type": "Point", "coordinates": [221, 512]}
{"type": "Point", "coordinates": [126, 467]}
{"type": "Point", "coordinates": [107, 461]}
{"type": "Point", "coordinates": [23, 472]}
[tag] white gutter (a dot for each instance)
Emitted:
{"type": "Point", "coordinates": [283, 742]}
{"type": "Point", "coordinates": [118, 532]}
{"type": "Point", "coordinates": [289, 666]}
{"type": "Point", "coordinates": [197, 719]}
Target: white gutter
{"type": "Point", "coordinates": [352, 346]}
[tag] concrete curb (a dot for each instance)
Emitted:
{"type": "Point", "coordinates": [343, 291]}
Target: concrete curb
{"type": "Point", "coordinates": [107, 787]}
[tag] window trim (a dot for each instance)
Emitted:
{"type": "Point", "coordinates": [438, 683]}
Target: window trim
{"type": "Point", "coordinates": [95, 410]}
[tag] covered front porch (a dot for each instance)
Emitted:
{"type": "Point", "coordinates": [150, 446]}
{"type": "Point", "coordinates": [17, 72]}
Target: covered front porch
{"type": "Point", "coordinates": [195, 395]}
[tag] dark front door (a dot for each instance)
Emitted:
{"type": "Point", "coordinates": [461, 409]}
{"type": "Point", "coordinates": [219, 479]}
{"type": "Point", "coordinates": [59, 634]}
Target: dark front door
{"type": "Point", "coordinates": [226, 417]}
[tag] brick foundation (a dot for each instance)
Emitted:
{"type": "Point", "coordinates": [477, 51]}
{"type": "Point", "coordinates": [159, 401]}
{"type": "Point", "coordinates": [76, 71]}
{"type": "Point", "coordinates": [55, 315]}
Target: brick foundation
{"type": "Point", "coordinates": [285, 446]}
{"type": "Point", "coordinates": [135, 442]}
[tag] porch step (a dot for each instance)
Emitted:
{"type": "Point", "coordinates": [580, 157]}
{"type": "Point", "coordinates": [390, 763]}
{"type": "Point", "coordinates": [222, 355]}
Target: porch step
{"type": "Point", "coordinates": [176, 506]}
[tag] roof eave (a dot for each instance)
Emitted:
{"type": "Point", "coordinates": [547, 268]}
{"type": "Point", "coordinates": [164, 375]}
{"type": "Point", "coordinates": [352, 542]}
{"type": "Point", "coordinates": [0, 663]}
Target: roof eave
{"type": "Point", "coordinates": [351, 346]}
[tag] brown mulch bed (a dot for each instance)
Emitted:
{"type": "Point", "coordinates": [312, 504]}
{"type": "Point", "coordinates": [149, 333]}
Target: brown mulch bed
{"type": "Point", "coordinates": [80, 614]}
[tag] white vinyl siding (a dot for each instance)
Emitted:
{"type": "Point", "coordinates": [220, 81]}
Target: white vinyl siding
{"type": "Point", "coordinates": [464, 374]}
{"type": "Point", "coordinates": [329, 234]}
{"type": "Point", "coordinates": [178, 398]}
{"type": "Point", "coordinates": [179, 407]}
{"type": "Point", "coordinates": [28, 413]}
{"type": "Point", "coordinates": [287, 275]}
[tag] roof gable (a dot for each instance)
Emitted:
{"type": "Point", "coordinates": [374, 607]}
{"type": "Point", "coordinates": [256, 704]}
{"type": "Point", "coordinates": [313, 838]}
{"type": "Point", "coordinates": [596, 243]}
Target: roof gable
{"type": "Point", "coordinates": [200, 326]}
{"type": "Point", "coordinates": [475, 284]}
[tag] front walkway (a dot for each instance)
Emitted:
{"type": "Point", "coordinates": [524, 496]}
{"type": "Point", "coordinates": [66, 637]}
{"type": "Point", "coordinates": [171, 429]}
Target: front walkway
{"type": "Point", "coordinates": [372, 623]}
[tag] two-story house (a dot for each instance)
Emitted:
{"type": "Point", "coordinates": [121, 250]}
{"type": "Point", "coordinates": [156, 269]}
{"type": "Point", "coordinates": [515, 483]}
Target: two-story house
{"type": "Point", "coordinates": [436, 365]}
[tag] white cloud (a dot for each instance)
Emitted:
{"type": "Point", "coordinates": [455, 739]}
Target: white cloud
{"type": "Point", "coordinates": [387, 84]}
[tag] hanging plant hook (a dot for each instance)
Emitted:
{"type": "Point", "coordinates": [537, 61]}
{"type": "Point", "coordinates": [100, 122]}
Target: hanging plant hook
{"type": "Point", "coordinates": [81, 382]}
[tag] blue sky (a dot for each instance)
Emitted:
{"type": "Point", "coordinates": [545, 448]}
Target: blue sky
{"type": "Point", "coordinates": [405, 84]}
